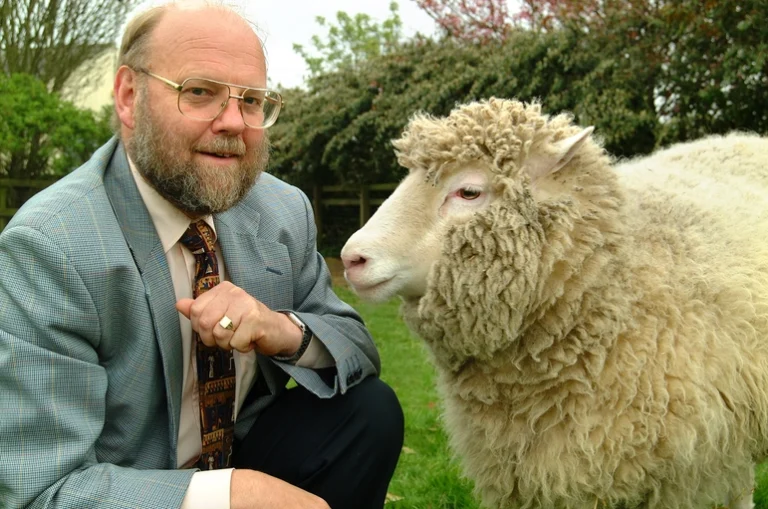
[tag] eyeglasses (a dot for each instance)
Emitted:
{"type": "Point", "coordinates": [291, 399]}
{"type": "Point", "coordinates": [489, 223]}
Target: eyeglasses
{"type": "Point", "coordinates": [204, 99]}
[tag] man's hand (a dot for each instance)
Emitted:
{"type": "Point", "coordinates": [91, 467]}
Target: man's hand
{"type": "Point", "coordinates": [255, 490]}
{"type": "Point", "coordinates": [255, 326]}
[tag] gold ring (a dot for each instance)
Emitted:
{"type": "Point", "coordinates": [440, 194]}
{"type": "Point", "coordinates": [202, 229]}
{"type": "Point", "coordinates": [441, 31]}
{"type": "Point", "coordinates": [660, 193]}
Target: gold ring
{"type": "Point", "coordinates": [226, 323]}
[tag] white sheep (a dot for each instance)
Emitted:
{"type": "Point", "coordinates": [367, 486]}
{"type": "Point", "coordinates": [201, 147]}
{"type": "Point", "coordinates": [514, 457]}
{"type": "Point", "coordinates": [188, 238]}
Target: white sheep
{"type": "Point", "coordinates": [600, 332]}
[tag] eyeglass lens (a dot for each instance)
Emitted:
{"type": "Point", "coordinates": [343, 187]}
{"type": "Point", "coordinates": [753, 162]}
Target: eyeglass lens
{"type": "Point", "coordinates": [202, 99]}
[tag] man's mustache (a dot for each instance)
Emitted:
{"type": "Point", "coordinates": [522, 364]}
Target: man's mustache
{"type": "Point", "coordinates": [223, 145]}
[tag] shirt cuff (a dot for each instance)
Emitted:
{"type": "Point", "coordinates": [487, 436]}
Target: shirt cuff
{"type": "Point", "coordinates": [315, 356]}
{"type": "Point", "coordinates": [208, 489]}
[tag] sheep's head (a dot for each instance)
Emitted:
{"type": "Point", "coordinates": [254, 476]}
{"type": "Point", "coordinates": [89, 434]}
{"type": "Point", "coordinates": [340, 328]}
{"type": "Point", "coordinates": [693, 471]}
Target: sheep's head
{"type": "Point", "coordinates": [482, 168]}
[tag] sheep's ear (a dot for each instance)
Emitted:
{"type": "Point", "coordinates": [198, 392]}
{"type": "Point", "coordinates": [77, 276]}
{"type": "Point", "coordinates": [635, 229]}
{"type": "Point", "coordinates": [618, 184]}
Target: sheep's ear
{"type": "Point", "coordinates": [540, 165]}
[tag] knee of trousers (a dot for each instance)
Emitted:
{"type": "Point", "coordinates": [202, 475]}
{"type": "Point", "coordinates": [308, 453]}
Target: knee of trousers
{"type": "Point", "coordinates": [376, 403]}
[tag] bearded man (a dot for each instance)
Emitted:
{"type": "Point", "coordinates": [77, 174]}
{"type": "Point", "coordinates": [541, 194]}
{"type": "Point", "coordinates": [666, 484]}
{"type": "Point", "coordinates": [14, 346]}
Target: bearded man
{"type": "Point", "coordinates": [156, 301]}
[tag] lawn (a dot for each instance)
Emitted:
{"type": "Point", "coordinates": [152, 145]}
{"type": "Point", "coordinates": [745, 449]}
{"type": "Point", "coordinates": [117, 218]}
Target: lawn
{"type": "Point", "coordinates": [427, 476]}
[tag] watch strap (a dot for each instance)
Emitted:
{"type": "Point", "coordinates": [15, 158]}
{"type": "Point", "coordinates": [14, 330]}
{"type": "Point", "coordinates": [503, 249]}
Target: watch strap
{"type": "Point", "coordinates": [306, 337]}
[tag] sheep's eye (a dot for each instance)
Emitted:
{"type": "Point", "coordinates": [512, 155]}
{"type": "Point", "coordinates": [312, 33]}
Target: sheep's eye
{"type": "Point", "coordinates": [467, 193]}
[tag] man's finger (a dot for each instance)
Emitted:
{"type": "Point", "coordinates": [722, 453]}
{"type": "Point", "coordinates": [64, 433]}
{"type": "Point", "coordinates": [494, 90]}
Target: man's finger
{"type": "Point", "coordinates": [241, 341]}
{"type": "Point", "coordinates": [222, 336]}
{"type": "Point", "coordinates": [184, 306]}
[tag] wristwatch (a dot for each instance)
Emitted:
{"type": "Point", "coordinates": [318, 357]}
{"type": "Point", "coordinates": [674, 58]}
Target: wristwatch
{"type": "Point", "coordinates": [306, 337]}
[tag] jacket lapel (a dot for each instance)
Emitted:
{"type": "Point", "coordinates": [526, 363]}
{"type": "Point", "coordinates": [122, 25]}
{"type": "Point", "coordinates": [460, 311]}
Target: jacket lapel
{"type": "Point", "coordinates": [237, 232]}
{"type": "Point", "coordinates": [148, 254]}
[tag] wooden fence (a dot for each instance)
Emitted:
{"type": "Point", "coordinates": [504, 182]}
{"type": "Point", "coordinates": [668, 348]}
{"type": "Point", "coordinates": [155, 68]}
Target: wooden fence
{"type": "Point", "coordinates": [6, 211]}
{"type": "Point", "coordinates": [363, 197]}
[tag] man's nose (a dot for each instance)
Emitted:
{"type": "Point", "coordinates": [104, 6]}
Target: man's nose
{"type": "Point", "coordinates": [230, 119]}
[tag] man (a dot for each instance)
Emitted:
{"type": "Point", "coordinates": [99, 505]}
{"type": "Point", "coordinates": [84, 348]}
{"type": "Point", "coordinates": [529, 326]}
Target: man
{"type": "Point", "coordinates": [127, 285]}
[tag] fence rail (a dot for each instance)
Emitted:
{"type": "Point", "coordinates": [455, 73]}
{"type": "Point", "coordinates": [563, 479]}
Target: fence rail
{"type": "Point", "coordinates": [364, 197]}
{"type": "Point", "coordinates": [6, 211]}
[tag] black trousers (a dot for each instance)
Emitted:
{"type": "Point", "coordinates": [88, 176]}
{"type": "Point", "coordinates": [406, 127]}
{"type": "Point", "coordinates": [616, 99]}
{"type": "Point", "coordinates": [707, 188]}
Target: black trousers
{"type": "Point", "coordinates": [342, 449]}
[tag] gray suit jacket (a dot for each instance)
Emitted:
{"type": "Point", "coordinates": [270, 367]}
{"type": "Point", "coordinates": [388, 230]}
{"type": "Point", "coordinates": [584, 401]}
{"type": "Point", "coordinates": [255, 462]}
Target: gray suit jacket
{"type": "Point", "coordinates": [90, 347]}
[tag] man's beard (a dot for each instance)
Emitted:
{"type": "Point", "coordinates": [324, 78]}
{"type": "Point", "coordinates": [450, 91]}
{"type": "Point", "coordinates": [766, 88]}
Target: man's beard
{"type": "Point", "coordinates": [197, 189]}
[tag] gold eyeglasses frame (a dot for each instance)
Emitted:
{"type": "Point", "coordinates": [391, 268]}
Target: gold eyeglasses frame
{"type": "Point", "coordinates": [269, 95]}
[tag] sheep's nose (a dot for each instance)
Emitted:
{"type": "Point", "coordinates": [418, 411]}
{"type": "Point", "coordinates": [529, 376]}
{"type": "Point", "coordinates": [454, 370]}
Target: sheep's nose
{"type": "Point", "coordinates": [352, 260]}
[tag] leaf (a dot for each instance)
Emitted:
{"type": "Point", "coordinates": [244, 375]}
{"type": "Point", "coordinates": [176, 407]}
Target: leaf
{"type": "Point", "coordinates": [392, 498]}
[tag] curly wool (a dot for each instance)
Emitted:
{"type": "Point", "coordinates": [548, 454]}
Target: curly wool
{"type": "Point", "coordinates": [604, 343]}
{"type": "Point", "coordinates": [500, 133]}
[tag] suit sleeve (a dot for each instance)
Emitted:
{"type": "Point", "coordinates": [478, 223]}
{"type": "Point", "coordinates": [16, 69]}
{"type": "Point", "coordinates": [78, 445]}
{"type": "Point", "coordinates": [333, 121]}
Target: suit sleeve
{"type": "Point", "coordinates": [52, 390]}
{"type": "Point", "coordinates": [332, 321]}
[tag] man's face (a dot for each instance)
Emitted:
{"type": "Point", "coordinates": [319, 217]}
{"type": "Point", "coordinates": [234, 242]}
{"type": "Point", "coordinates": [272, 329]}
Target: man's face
{"type": "Point", "coordinates": [201, 167]}
{"type": "Point", "coordinates": [169, 161]}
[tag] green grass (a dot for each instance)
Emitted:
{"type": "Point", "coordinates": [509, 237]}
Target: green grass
{"type": "Point", "coordinates": [427, 476]}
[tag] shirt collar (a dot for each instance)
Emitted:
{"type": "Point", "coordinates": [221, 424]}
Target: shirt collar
{"type": "Point", "coordinates": [169, 221]}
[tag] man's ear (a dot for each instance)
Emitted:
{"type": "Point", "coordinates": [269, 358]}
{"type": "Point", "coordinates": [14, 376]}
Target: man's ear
{"type": "Point", "coordinates": [555, 156]}
{"type": "Point", "coordinates": [125, 95]}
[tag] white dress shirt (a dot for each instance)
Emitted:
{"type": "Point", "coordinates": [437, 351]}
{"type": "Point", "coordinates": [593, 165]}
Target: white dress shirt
{"type": "Point", "coordinates": [207, 489]}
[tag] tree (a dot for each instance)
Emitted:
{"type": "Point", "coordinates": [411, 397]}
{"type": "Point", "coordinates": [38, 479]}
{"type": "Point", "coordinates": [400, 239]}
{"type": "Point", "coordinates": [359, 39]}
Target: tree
{"type": "Point", "coordinates": [41, 135]}
{"type": "Point", "coordinates": [695, 67]}
{"type": "Point", "coordinates": [715, 68]}
{"type": "Point", "coordinates": [339, 130]}
{"type": "Point", "coordinates": [474, 21]}
{"type": "Point", "coordinates": [669, 70]}
{"type": "Point", "coordinates": [50, 39]}
{"type": "Point", "coordinates": [351, 41]}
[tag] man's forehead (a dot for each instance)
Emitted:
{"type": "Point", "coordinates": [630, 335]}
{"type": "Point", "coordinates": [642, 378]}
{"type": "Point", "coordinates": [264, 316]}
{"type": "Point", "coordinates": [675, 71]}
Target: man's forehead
{"type": "Point", "coordinates": [206, 39]}
{"type": "Point", "coordinates": [217, 23]}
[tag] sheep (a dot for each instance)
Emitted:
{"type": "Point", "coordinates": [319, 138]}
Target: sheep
{"type": "Point", "coordinates": [599, 330]}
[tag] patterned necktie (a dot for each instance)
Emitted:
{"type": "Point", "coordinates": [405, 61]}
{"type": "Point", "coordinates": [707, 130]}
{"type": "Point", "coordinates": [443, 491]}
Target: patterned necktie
{"type": "Point", "coordinates": [215, 367]}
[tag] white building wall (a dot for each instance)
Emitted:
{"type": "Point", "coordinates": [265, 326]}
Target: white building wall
{"type": "Point", "coordinates": [101, 75]}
